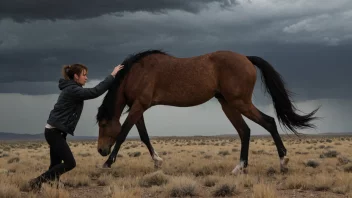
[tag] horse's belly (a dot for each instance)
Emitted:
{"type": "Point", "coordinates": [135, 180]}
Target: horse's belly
{"type": "Point", "coordinates": [183, 95]}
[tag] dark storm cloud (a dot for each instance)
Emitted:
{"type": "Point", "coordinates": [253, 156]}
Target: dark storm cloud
{"type": "Point", "coordinates": [310, 49]}
{"type": "Point", "coordinates": [22, 11]}
{"type": "Point", "coordinates": [42, 66]}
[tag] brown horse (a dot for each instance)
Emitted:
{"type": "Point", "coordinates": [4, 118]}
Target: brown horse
{"type": "Point", "coordinates": [154, 78]}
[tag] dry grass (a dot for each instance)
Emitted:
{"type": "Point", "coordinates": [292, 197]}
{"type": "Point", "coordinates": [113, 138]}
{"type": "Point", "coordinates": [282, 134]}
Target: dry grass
{"type": "Point", "coordinates": [262, 190]}
{"type": "Point", "coordinates": [193, 167]}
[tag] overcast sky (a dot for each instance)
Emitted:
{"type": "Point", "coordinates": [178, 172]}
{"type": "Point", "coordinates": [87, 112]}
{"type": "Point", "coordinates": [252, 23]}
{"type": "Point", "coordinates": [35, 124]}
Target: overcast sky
{"type": "Point", "coordinates": [308, 42]}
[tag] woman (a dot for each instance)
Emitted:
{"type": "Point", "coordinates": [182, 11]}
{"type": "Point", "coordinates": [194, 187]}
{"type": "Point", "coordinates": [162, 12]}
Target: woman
{"type": "Point", "coordinates": [64, 118]}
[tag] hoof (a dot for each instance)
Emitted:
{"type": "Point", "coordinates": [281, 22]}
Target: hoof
{"type": "Point", "coordinates": [106, 165]}
{"type": "Point", "coordinates": [285, 161]}
{"type": "Point", "coordinates": [158, 163]}
{"type": "Point", "coordinates": [239, 171]}
{"type": "Point", "coordinates": [283, 165]}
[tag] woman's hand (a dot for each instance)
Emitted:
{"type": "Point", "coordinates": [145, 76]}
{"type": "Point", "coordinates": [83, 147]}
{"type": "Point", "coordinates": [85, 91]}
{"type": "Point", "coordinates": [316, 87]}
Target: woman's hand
{"type": "Point", "coordinates": [116, 70]}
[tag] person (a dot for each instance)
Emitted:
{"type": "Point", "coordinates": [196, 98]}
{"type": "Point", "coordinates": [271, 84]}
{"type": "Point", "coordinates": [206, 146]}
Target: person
{"type": "Point", "coordinates": [64, 117]}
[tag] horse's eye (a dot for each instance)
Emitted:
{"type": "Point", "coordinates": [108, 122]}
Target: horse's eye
{"type": "Point", "coordinates": [103, 125]}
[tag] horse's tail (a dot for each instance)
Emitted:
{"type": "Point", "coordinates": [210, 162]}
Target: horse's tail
{"type": "Point", "coordinates": [284, 108]}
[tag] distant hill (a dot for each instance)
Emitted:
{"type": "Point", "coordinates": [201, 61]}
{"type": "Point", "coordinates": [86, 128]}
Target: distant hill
{"type": "Point", "coordinates": [24, 136]}
{"type": "Point", "coordinates": [4, 136]}
{"type": "Point", "coordinates": [336, 134]}
{"type": "Point", "coordinates": [16, 136]}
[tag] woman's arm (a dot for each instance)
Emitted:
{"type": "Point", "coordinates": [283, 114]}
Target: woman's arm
{"type": "Point", "coordinates": [94, 92]}
{"type": "Point", "coordinates": [91, 93]}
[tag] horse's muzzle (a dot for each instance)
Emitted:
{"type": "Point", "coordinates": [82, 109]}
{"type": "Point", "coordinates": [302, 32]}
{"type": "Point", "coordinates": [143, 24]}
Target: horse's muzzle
{"type": "Point", "coordinates": [104, 152]}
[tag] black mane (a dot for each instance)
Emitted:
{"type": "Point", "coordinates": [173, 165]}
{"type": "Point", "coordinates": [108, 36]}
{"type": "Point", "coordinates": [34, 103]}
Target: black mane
{"type": "Point", "coordinates": [106, 110]}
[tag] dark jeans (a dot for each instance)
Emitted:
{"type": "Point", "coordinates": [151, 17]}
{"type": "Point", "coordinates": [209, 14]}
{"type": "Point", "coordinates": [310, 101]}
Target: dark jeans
{"type": "Point", "coordinates": [59, 151]}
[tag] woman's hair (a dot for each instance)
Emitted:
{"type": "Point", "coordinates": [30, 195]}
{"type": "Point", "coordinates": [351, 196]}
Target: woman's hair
{"type": "Point", "coordinates": [69, 71]}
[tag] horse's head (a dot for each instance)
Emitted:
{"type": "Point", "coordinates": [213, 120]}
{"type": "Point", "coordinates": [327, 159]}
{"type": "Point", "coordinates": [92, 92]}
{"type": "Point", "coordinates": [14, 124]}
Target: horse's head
{"type": "Point", "coordinates": [108, 131]}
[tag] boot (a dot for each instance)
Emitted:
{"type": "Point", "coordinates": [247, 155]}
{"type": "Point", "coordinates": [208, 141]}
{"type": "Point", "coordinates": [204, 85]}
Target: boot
{"type": "Point", "coordinates": [35, 185]}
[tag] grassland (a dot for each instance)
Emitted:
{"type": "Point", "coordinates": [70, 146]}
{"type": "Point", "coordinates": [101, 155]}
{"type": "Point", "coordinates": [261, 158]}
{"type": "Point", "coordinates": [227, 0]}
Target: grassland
{"type": "Point", "coordinates": [193, 167]}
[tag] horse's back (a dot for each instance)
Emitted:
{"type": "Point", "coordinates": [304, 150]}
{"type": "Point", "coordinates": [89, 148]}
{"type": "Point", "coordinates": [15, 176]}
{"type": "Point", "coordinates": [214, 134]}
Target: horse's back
{"type": "Point", "coordinates": [186, 81]}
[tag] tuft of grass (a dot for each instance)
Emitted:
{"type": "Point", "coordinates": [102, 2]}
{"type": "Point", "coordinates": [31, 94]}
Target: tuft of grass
{"type": "Point", "coordinates": [224, 190]}
{"type": "Point", "coordinates": [329, 154]}
{"type": "Point", "coordinates": [348, 168]}
{"type": "Point", "coordinates": [183, 187]}
{"type": "Point", "coordinates": [342, 160]}
{"type": "Point", "coordinates": [224, 153]}
{"type": "Point", "coordinates": [202, 171]}
{"type": "Point", "coordinates": [312, 163]}
{"type": "Point", "coordinates": [135, 154]}
{"type": "Point", "coordinates": [157, 178]}
{"type": "Point", "coordinates": [13, 160]}
{"type": "Point", "coordinates": [210, 181]}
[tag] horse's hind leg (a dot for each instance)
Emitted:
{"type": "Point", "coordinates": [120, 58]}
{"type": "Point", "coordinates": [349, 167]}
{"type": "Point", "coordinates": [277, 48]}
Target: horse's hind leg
{"type": "Point", "coordinates": [267, 122]}
{"type": "Point", "coordinates": [142, 130]}
{"type": "Point", "coordinates": [243, 131]}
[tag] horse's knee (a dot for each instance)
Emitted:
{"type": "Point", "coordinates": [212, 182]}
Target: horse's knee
{"type": "Point", "coordinates": [145, 140]}
{"type": "Point", "coordinates": [246, 131]}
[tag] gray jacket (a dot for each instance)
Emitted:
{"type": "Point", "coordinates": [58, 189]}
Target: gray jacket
{"type": "Point", "coordinates": [68, 108]}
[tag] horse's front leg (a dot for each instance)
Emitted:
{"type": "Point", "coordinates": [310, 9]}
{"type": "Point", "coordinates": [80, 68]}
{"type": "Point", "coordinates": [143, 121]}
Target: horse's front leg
{"type": "Point", "coordinates": [133, 116]}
